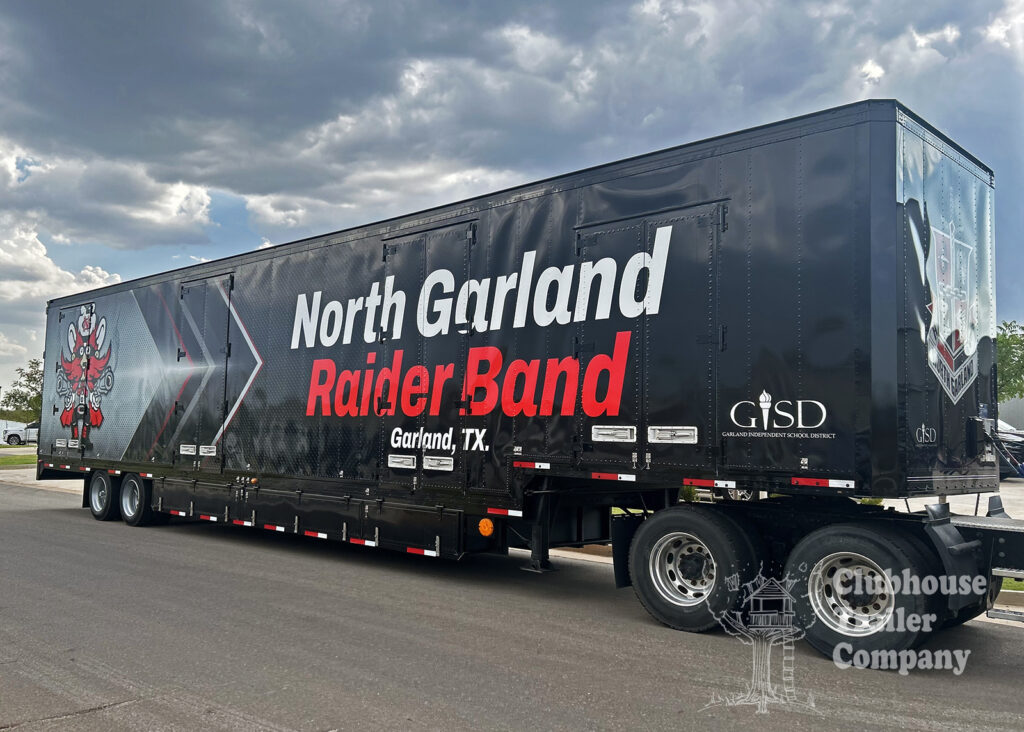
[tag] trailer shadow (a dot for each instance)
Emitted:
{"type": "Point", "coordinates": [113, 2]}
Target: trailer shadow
{"type": "Point", "coordinates": [577, 587]}
{"type": "Point", "coordinates": [572, 581]}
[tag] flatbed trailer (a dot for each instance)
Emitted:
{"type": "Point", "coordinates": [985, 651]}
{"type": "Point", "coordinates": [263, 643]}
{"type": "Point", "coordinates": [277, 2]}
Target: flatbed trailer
{"type": "Point", "coordinates": [803, 310]}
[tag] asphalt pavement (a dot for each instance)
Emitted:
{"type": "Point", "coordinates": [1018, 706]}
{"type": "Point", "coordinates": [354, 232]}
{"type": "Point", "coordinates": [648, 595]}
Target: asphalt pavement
{"type": "Point", "coordinates": [200, 626]}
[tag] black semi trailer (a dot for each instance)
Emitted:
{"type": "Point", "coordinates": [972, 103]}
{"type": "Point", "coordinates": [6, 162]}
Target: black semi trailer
{"type": "Point", "coordinates": [804, 310]}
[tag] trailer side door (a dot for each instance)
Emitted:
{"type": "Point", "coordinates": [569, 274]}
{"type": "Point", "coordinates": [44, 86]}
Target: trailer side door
{"type": "Point", "coordinates": [204, 313]}
{"type": "Point", "coordinates": [681, 341]}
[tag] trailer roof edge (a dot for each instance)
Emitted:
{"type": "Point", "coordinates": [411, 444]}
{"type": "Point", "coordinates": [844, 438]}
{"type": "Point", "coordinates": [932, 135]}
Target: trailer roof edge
{"type": "Point", "coordinates": [877, 109]}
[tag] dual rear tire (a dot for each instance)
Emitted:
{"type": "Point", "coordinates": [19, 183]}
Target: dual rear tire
{"type": "Point", "coordinates": [689, 566]}
{"type": "Point", "coordinates": [128, 498]}
{"type": "Point", "coordinates": [844, 593]}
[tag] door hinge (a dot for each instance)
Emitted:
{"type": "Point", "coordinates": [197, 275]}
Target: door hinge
{"type": "Point", "coordinates": [579, 347]}
{"type": "Point", "coordinates": [723, 222]}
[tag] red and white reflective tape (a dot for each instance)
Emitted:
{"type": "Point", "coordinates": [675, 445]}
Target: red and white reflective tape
{"type": "Point", "coordinates": [146, 475]}
{"type": "Point", "coordinates": [505, 512]}
{"type": "Point", "coordinates": [315, 534]}
{"type": "Point", "coordinates": [207, 517]}
{"type": "Point", "coordinates": [363, 542]}
{"type": "Point", "coordinates": [702, 483]}
{"type": "Point", "coordinates": [273, 527]}
{"type": "Point", "coordinates": [178, 513]}
{"type": "Point", "coordinates": [239, 522]}
{"type": "Point", "coordinates": [114, 472]}
{"type": "Point", "coordinates": [614, 476]}
{"type": "Point", "coordinates": [85, 468]}
{"type": "Point", "coordinates": [66, 467]}
{"type": "Point", "coordinates": [424, 552]}
{"type": "Point", "coordinates": [531, 464]}
{"type": "Point", "coordinates": [49, 465]}
{"type": "Point", "coordinates": [824, 482]}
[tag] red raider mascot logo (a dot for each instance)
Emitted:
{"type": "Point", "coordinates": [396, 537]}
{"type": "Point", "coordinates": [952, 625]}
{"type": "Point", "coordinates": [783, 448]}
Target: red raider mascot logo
{"type": "Point", "coordinates": [85, 374]}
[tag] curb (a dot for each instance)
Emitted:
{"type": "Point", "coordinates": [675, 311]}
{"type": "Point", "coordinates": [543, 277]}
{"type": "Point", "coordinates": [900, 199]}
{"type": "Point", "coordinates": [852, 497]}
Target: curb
{"type": "Point", "coordinates": [1011, 597]}
{"type": "Point", "coordinates": [563, 554]}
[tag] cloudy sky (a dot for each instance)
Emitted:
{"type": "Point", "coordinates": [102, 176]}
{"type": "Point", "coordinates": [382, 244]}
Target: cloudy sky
{"type": "Point", "coordinates": [140, 136]}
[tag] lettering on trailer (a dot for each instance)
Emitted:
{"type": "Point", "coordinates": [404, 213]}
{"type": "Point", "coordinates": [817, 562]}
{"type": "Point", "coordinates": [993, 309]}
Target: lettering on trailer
{"type": "Point", "coordinates": [767, 417]}
{"type": "Point", "coordinates": [492, 381]}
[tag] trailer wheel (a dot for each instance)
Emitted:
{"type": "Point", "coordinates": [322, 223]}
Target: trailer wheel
{"type": "Point", "coordinates": [103, 497]}
{"type": "Point", "coordinates": [680, 560]}
{"type": "Point", "coordinates": [844, 593]}
{"type": "Point", "coordinates": [738, 494]}
{"type": "Point", "coordinates": [135, 501]}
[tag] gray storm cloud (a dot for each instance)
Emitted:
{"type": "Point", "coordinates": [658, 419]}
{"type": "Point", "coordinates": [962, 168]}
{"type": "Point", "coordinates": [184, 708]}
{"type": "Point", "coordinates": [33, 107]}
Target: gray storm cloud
{"type": "Point", "coordinates": [120, 123]}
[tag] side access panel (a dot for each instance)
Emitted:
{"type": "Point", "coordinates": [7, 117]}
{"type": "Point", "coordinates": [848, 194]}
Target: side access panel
{"type": "Point", "coordinates": [682, 341]}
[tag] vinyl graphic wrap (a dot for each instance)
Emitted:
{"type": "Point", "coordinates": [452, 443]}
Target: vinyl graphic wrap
{"type": "Point", "coordinates": [719, 311]}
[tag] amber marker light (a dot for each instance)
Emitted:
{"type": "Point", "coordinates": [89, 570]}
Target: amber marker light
{"type": "Point", "coordinates": [486, 527]}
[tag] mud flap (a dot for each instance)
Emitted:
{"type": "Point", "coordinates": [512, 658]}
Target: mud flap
{"type": "Point", "coordinates": [960, 557]}
{"type": "Point", "coordinates": [623, 526]}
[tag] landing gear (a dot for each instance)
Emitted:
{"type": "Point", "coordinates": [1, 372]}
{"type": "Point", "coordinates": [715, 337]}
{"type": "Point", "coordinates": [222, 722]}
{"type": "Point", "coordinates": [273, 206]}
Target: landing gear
{"type": "Point", "coordinates": [540, 561]}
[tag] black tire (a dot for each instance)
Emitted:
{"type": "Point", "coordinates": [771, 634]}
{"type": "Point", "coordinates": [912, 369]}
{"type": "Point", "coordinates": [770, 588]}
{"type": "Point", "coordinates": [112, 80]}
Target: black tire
{"type": "Point", "coordinates": [13, 440]}
{"type": "Point", "coordinates": [136, 500]}
{"type": "Point", "coordinates": [104, 496]}
{"type": "Point", "coordinates": [869, 621]}
{"type": "Point", "coordinates": [928, 563]}
{"type": "Point", "coordinates": [695, 602]}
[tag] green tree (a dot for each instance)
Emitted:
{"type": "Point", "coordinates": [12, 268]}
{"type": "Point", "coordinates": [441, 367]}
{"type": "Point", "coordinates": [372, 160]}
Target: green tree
{"type": "Point", "coordinates": [1010, 359]}
{"type": "Point", "coordinates": [23, 401]}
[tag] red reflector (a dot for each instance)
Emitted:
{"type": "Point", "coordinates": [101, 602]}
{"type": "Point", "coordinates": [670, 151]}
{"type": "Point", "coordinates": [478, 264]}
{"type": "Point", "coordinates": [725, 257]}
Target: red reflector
{"type": "Point", "coordinates": [413, 550]}
{"type": "Point", "coordinates": [819, 482]}
{"type": "Point", "coordinates": [522, 464]}
{"type": "Point", "coordinates": [498, 511]}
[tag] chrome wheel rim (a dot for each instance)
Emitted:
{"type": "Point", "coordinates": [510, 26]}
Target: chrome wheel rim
{"type": "Point", "coordinates": [98, 495]}
{"type": "Point", "coordinates": [682, 569]}
{"type": "Point", "coordinates": [130, 497]}
{"type": "Point", "coordinates": [740, 495]}
{"type": "Point", "coordinates": [851, 594]}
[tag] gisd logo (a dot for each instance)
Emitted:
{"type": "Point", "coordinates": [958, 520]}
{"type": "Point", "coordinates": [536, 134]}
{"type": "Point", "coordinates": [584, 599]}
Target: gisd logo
{"type": "Point", "coordinates": [784, 414]}
{"type": "Point", "coordinates": [925, 435]}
